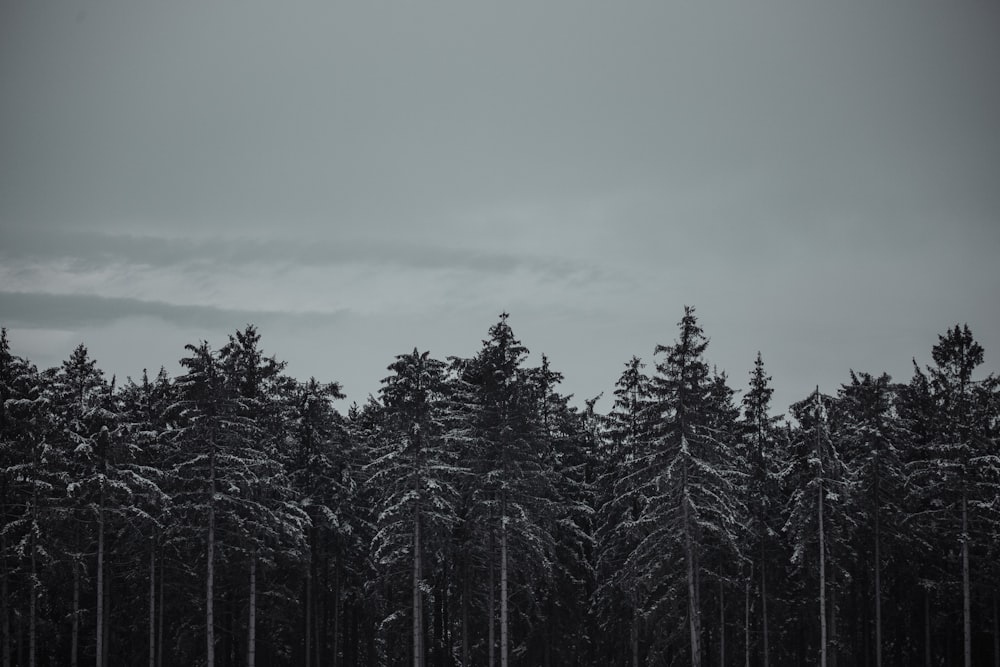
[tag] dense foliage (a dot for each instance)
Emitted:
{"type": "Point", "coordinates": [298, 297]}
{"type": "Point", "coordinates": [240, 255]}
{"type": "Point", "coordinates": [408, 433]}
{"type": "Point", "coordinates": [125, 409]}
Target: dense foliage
{"type": "Point", "coordinates": [470, 515]}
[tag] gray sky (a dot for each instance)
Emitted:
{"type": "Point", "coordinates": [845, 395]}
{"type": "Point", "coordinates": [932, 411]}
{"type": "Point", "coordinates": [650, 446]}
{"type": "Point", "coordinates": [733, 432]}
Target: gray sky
{"type": "Point", "coordinates": [820, 180]}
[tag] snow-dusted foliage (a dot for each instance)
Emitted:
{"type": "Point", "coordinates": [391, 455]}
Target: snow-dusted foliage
{"type": "Point", "coordinates": [471, 515]}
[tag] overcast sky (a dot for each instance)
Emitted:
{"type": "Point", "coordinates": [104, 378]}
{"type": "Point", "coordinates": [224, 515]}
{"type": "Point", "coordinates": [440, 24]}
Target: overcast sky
{"type": "Point", "coordinates": [820, 180]}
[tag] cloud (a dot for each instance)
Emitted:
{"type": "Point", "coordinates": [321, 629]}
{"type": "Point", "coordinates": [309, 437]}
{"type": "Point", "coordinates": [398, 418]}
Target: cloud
{"type": "Point", "coordinates": [75, 311]}
{"type": "Point", "coordinates": [95, 249]}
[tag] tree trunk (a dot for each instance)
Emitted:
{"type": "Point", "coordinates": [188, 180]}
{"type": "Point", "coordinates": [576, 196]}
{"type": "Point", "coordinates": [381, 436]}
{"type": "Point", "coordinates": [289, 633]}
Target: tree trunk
{"type": "Point", "coordinates": [722, 623]}
{"type": "Point", "coordinates": [418, 630]}
{"type": "Point", "coordinates": [5, 607]}
{"type": "Point", "coordinates": [822, 583]}
{"type": "Point", "coordinates": [763, 598]}
{"type": "Point", "coordinates": [927, 628]}
{"type": "Point", "coordinates": [746, 621]}
{"type": "Point", "coordinates": [252, 621]}
{"type": "Point", "coordinates": [834, 643]}
{"type": "Point", "coordinates": [99, 654]}
{"type": "Point", "coordinates": [693, 610]}
{"type": "Point", "coordinates": [336, 608]}
{"type": "Point", "coordinates": [634, 634]}
{"type": "Point", "coordinates": [996, 631]}
{"type": "Point", "coordinates": [878, 585]}
{"type": "Point", "coordinates": [75, 632]}
{"type": "Point", "coordinates": [152, 605]}
{"type": "Point", "coordinates": [106, 628]}
{"type": "Point", "coordinates": [503, 589]}
{"type": "Point", "coordinates": [491, 646]}
{"type": "Point", "coordinates": [159, 631]}
{"type": "Point", "coordinates": [307, 648]}
{"type": "Point", "coordinates": [966, 603]}
{"type": "Point", "coordinates": [465, 612]}
{"type": "Point", "coordinates": [210, 582]}
{"type": "Point", "coordinates": [319, 637]}
{"type": "Point", "coordinates": [33, 596]}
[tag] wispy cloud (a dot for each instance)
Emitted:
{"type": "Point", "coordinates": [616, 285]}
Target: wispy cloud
{"type": "Point", "coordinates": [94, 249]}
{"type": "Point", "coordinates": [74, 311]}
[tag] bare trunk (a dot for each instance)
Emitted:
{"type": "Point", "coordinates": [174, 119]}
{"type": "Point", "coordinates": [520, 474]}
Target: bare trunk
{"type": "Point", "coordinates": [107, 626]}
{"type": "Point", "coordinates": [822, 584]}
{"type": "Point", "coordinates": [634, 634]}
{"type": "Point", "coordinates": [694, 619]}
{"type": "Point", "coordinates": [465, 613]}
{"type": "Point", "coordinates": [878, 589]}
{"type": "Point", "coordinates": [336, 609]}
{"type": "Point", "coordinates": [99, 655]}
{"type": "Point", "coordinates": [307, 649]}
{"type": "Point", "coordinates": [503, 590]}
{"type": "Point", "coordinates": [418, 631]}
{"type": "Point", "coordinates": [996, 631]}
{"type": "Point", "coordinates": [693, 611]}
{"type": "Point", "coordinates": [834, 644]}
{"type": "Point", "coordinates": [491, 647]}
{"type": "Point", "coordinates": [33, 596]}
{"type": "Point", "coordinates": [746, 622]}
{"type": "Point", "coordinates": [159, 623]}
{"type": "Point", "coordinates": [722, 623]}
{"type": "Point", "coordinates": [252, 621]}
{"type": "Point", "coordinates": [210, 583]}
{"type": "Point", "coordinates": [75, 632]}
{"type": "Point", "coordinates": [927, 628]}
{"type": "Point", "coordinates": [152, 605]}
{"type": "Point", "coordinates": [763, 602]}
{"type": "Point", "coordinates": [5, 611]}
{"type": "Point", "coordinates": [966, 603]}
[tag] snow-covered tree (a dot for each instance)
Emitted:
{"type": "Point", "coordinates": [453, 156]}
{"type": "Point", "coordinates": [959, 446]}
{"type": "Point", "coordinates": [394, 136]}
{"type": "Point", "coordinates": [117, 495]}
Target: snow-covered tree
{"type": "Point", "coordinates": [817, 523]}
{"type": "Point", "coordinates": [416, 474]}
{"type": "Point", "coordinates": [759, 457]}
{"type": "Point", "coordinates": [689, 500]}
{"type": "Point", "coordinates": [868, 435]}
{"type": "Point", "coordinates": [626, 439]}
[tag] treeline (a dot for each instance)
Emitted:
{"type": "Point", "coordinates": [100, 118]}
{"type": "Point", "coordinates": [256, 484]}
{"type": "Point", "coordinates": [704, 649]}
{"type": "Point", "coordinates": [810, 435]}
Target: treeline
{"type": "Point", "coordinates": [469, 515]}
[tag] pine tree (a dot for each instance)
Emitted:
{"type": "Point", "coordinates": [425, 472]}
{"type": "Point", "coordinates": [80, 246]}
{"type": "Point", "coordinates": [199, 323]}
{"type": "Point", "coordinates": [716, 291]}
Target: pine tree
{"type": "Point", "coordinates": [626, 435]}
{"type": "Point", "coordinates": [322, 476]}
{"type": "Point", "coordinates": [818, 487]}
{"type": "Point", "coordinates": [264, 517]}
{"type": "Point", "coordinates": [143, 405]}
{"type": "Point", "coordinates": [949, 473]}
{"type": "Point", "coordinates": [34, 485]}
{"type": "Point", "coordinates": [417, 475]}
{"type": "Point", "coordinates": [690, 503]}
{"type": "Point", "coordinates": [867, 437]}
{"type": "Point", "coordinates": [760, 459]}
{"type": "Point", "coordinates": [83, 405]}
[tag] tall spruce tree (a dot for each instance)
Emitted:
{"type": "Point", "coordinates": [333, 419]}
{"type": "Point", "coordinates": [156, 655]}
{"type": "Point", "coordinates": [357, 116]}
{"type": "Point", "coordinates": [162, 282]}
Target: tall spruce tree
{"type": "Point", "coordinates": [690, 500]}
{"type": "Point", "coordinates": [626, 436]}
{"type": "Point", "coordinates": [867, 436]}
{"type": "Point", "coordinates": [950, 474]}
{"type": "Point", "coordinates": [760, 459]}
{"type": "Point", "coordinates": [416, 474]}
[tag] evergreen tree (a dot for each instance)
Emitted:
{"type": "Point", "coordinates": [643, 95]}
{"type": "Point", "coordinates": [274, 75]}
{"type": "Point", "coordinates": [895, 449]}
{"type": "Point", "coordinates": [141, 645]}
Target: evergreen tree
{"type": "Point", "coordinates": [626, 436]}
{"type": "Point", "coordinates": [323, 478]}
{"type": "Point", "coordinates": [759, 456]}
{"type": "Point", "coordinates": [868, 437]}
{"type": "Point", "coordinates": [954, 473]}
{"type": "Point", "coordinates": [690, 503]}
{"type": "Point", "coordinates": [417, 475]}
{"type": "Point", "coordinates": [818, 487]}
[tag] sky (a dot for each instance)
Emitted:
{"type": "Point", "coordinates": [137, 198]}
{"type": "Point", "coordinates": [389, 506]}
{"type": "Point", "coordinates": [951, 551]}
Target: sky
{"type": "Point", "coordinates": [821, 181]}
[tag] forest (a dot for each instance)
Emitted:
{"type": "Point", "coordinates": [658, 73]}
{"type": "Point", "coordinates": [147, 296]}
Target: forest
{"type": "Point", "coordinates": [471, 514]}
